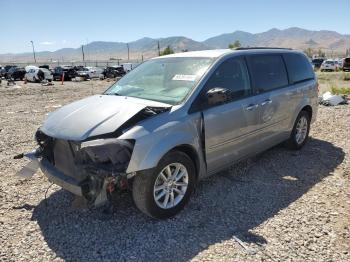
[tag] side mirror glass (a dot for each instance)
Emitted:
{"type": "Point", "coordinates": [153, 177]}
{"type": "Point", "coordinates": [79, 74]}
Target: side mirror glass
{"type": "Point", "coordinates": [218, 95]}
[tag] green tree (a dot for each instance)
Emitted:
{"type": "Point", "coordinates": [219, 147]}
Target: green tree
{"type": "Point", "coordinates": [320, 53]}
{"type": "Point", "coordinates": [167, 51]}
{"type": "Point", "coordinates": [309, 52]}
{"type": "Point", "coordinates": [236, 44]}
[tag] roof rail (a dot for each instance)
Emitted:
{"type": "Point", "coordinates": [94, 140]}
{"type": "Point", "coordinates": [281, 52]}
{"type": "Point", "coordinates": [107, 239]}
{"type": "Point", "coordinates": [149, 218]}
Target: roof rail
{"type": "Point", "coordinates": [258, 47]}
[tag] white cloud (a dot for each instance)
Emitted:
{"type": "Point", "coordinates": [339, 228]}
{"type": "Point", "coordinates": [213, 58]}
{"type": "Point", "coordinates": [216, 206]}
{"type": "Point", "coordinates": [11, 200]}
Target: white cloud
{"type": "Point", "coordinates": [47, 43]}
{"type": "Point", "coordinates": [64, 41]}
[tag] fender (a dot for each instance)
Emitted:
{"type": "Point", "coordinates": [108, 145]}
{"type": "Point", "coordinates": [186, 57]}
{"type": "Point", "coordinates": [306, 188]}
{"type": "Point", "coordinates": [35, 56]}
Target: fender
{"type": "Point", "coordinates": [305, 101]}
{"type": "Point", "coordinates": [148, 150]}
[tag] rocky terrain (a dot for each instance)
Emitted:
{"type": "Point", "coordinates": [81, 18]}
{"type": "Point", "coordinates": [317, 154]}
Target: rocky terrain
{"type": "Point", "coordinates": [278, 206]}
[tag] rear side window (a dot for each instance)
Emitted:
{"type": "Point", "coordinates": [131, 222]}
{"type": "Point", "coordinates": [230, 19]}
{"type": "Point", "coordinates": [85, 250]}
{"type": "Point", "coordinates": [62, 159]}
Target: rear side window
{"type": "Point", "coordinates": [268, 72]}
{"type": "Point", "coordinates": [299, 68]}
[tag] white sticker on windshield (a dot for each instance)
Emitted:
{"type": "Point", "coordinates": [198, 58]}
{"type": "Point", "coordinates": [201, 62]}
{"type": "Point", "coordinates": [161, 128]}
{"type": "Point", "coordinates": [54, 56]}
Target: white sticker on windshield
{"type": "Point", "coordinates": [185, 77]}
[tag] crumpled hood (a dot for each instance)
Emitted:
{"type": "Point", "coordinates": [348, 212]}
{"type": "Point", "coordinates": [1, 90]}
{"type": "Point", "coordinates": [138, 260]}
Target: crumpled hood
{"type": "Point", "coordinates": [92, 116]}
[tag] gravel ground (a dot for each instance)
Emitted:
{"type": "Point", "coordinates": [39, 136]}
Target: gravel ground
{"type": "Point", "coordinates": [278, 206]}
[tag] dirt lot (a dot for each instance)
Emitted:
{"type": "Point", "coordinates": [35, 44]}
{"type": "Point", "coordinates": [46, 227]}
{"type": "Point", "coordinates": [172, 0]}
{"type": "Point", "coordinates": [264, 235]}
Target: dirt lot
{"type": "Point", "coordinates": [278, 206]}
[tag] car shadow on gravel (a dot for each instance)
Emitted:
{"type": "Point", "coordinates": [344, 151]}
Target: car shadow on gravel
{"type": "Point", "coordinates": [224, 206]}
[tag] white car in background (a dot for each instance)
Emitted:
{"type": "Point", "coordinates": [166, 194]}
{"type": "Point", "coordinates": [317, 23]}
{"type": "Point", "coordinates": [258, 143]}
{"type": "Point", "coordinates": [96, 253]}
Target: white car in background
{"type": "Point", "coordinates": [91, 72]}
{"type": "Point", "coordinates": [37, 74]}
{"type": "Point", "coordinates": [328, 65]}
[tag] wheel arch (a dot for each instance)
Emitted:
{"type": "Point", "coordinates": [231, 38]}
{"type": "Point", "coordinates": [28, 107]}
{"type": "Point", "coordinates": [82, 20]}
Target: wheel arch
{"type": "Point", "coordinates": [308, 109]}
{"type": "Point", "coordinates": [191, 153]}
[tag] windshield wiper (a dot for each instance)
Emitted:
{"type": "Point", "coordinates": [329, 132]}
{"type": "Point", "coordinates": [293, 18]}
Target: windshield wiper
{"type": "Point", "coordinates": [113, 94]}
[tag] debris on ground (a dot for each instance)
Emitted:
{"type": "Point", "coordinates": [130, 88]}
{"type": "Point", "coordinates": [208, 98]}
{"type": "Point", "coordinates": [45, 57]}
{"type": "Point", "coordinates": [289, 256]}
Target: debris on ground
{"type": "Point", "coordinates": [47, 83]}
{"type": "Point", "coordinates": [328, 99]}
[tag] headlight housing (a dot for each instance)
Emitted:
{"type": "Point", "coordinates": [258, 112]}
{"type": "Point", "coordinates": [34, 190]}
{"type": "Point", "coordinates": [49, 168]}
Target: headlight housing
{"type": "Point", "coordinates": [114, 153]}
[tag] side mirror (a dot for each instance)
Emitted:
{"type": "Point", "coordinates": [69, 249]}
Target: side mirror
{"type": "Point", "coordinates": [218, 95]}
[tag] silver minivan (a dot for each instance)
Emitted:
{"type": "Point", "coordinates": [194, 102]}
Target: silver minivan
{"type": "Point", "coordinates": [175, 120]}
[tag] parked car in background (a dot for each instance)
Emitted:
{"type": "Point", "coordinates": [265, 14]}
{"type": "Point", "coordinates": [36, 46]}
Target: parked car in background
{"type": "Point", "coordinates": [16, 73]}
{"type": "Point", "coordinates": [328, 65]}
{"type": "Point", "coordinates": [317, 62]}
{"type": "Point", "coordinates": [346, 64]}
{"type": "Point", "coordinates": [2, 71]}
{"type": "Point", "coordinates": [340, 63]}
{"type": "Point", "coordinates": [114, 71]}
{"type": "Point", "coordinates": [36, 74]}
{"type": "Point", "coordinates": [8, 67]}
{"type": "Point", "coordinates": [91, 72]}
{"type": "Point", "coordinates": [175, 120]}
{"type": "Point", "coordinates": [69, 73]}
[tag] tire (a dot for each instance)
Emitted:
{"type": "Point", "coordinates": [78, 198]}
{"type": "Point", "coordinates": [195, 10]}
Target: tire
{"type": "Point", "coordinates": [293, 142]}
{"type": "Point", "coordinates": [144, 186]}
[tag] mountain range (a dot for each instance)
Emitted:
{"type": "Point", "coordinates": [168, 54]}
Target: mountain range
{"type": "Point", "coordinates": [294, 37]}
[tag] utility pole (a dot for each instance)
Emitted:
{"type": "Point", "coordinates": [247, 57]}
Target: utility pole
{"type": "Point", "coordinates": [82, 51]}
{"type": "Point", "coordinates": [142, 57]}
{"type": "Point", "coordinates": [158, 49]}
{"type": "Point", "coordinates": [127, 45]}
{"type": "Point", "coordinates": [33, 51]}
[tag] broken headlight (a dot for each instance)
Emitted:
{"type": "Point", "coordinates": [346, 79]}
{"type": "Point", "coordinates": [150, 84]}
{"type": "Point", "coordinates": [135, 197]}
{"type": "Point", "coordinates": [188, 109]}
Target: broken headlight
{"type": "Point", "coordinates": [112, 153]}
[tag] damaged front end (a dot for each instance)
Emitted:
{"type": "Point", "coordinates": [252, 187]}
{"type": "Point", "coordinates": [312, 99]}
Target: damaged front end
{"type": "Point", "coordinates": [80, 144]}
{"type": "Point", "coordinates": [90, 169]}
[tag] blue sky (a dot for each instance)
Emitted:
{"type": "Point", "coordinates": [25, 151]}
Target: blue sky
{"type": "Point", "coordinates": [67, 23]}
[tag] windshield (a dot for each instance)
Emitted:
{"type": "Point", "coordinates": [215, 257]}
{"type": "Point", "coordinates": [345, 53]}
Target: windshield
{"type": "Point", "coordinates": [167, 80]}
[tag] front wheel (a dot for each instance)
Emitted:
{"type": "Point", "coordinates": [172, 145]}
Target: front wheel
{"type": "Point", "coordinates": [300, 132]}
{"type": "Point", "coordinates": [164, 191]}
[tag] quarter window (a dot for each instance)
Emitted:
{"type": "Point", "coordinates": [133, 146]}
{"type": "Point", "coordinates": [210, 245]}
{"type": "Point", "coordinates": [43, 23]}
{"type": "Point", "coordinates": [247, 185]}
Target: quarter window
{"type": "Point", "coordinates": [232, 74]}
{"type": "Point", "coordinates": [268, 72]}
{"type": "Point", "coordinates": [299, 68]}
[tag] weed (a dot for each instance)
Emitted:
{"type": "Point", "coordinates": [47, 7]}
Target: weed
{"type": "Point", "coordinates": [346, 76]}
{"type": "Point", "coordinates": [340, 91]}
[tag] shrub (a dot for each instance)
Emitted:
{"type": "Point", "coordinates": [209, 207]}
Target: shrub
{"type": "Point", "coordinates": [346, 76]}
{"type": "Point", "coordinates": [340, 91]}
{"type": "Point", "coordinates": [167, 51]}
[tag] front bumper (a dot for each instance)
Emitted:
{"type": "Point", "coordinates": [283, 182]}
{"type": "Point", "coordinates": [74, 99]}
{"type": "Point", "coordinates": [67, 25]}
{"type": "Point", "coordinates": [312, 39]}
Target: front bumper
{"type": "Point", "coordinates": [57, 177]}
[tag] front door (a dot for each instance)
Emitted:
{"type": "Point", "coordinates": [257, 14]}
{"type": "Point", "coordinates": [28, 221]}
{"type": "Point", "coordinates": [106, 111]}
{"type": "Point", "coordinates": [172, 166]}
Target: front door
{"type": "Point", "coordinates": [230, 128]}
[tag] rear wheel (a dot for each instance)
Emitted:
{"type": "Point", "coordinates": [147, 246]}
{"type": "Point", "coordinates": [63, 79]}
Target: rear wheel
{"type": "Point", "coordinates": [300, 132]}
{"type": "Point", "coordinates": [164, 191]}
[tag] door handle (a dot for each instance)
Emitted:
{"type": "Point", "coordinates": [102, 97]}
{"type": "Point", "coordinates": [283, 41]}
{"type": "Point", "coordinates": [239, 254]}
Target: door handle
{"type": "Point", "coordinates": [266, 102]}
{"type": "Point", "coordinates": [251, 107]}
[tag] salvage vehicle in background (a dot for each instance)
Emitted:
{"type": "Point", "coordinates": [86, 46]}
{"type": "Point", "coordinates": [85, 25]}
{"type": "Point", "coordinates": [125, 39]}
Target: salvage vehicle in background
{"type": "Point", "coordinates": [175, 120]}
{"type": "Point", "coordinates": [114, 71]}
{"type": "Point", "coordinates": [2, 71]}
{"type": "Point", "coordinates": [346, 64]}
{"type": "Point", "coordinates": [317, 62]}
{"type": "Point", "coordinates": [90, 72]}
{"type": "Point", "coordinates": [36, 74]}
{"type": "Point", "coordinates": [328, 65]}
{"type": "Point", "coordinates": [16, 73]}
{"type": "Point", "coordinates": [69, 73]}
{"type": "Point", "coordinates": [8, 67]}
